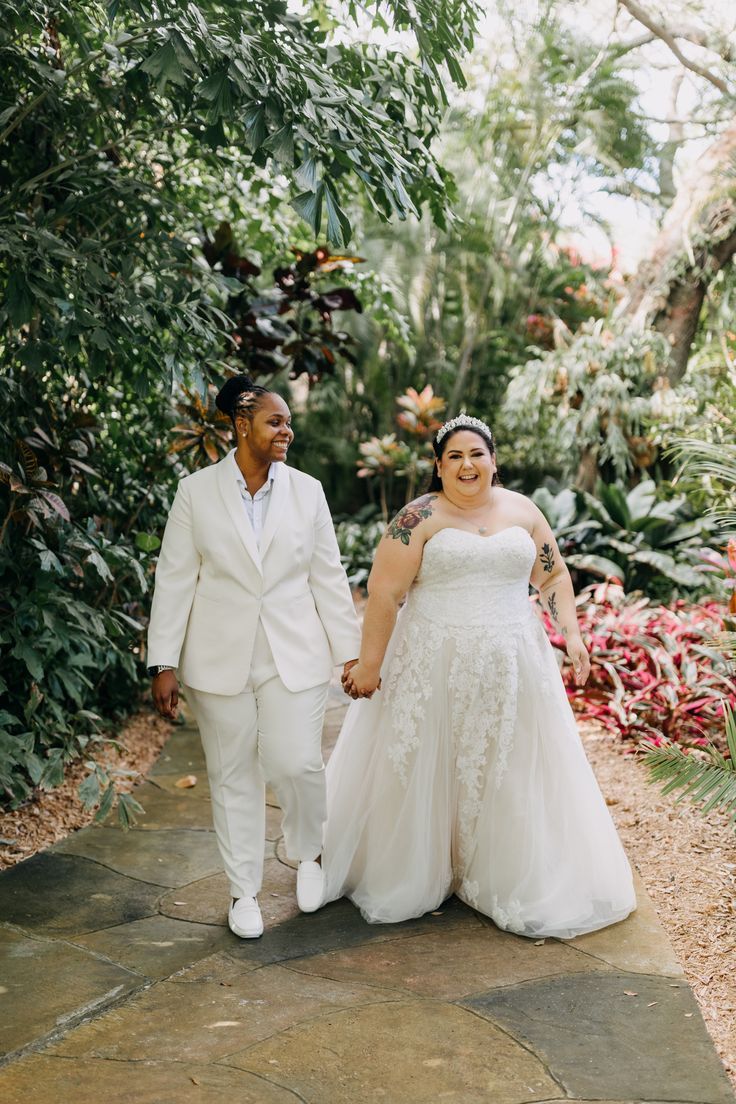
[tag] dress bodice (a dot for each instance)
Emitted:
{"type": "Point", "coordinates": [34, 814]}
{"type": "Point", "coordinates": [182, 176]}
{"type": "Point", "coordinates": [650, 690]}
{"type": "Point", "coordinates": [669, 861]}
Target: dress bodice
{"type": "Point", "coordinates": [469, 579]}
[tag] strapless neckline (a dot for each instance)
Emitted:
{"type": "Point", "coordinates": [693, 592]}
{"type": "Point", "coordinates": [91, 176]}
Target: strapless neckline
{"type": "Point", "coordinates": [479, 536]}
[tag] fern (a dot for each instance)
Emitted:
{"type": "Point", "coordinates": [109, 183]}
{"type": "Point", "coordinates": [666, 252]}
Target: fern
{"type": "Point", "coordinates": [711, 780]}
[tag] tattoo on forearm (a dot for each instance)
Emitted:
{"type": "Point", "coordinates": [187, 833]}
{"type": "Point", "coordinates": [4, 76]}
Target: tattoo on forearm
{"type": "Point", "coordinates": [409, 517]}
{"type": "Point", "coordinates": [555, 613]}
{"type": "Point", "coordinates": [547, 557]}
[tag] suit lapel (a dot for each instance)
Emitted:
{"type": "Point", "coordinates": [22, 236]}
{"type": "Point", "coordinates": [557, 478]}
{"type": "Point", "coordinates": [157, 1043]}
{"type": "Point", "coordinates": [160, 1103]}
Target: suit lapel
{"type": "Point", "coordinates": [234, 505]}
{"type": "Point", "coordinates": [279, 495]}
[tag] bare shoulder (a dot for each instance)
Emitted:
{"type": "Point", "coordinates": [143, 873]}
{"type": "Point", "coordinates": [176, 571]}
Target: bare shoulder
{"type": "Point", "coordinates": [415, 517]}
{"type": "Point", "coordinates": [517, 507]}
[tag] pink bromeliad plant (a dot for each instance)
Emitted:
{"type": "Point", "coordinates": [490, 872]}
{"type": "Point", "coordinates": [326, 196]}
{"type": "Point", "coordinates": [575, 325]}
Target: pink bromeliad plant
{"type": "Point", "coordinates": [654, 674]}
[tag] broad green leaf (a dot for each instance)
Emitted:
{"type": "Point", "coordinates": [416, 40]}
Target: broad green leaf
{"type": "Point", "coordinates": [338, 224]}
{"type": "Point", "coordinates": [100, 339]}
{"type": "Point", "coordinates": [31, 658]}
{"type": "Point", "coordinates": [106, 802]}
{"type": "Point", "coordinates": [668, 566]}
{"type": "Point", "coordinates": [596, 565]}
{"type": "Point", "coordinates": [147, 542]}
{"type": "Point", "coordinates": [309, 206]}
{"type": "Point", "coordinates": [281, 144]}
{"type": "Point", "coordinates": [18, 299]}
{"type": "Point", "coordinates": [50, 562]}
{"type": "Point", "coordinates": [306, 175]}
{"type": "Point", "coordinates": [100, 566]}
{"type": "Point", "coordinates": [255, 128]}
{"type": "Point", "coordinates": [164, 66]}
{"type": "Point", "coordinates": [89, 791]}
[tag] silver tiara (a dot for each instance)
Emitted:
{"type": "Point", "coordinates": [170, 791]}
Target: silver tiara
{"type": "Point", "coordinates": [463, 420]}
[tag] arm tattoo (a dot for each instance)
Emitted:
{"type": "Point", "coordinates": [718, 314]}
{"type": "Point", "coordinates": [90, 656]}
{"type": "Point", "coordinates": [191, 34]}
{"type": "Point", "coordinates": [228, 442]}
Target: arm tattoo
{"type": "Point", "coordinates": [409, 517]}
{"type": "Point", "coordinates": [547, 557]}
{"type": "Point", "coordinates": [555, 613]}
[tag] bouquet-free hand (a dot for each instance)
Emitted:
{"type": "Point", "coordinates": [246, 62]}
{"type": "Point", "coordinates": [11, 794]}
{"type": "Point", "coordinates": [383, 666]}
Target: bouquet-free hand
{"type": "Point", "coordinates": [358, 682]}
{"type": "Point", "coordinates": [580, 660]}
{"type": "Point", "coordinates": [165, 691]}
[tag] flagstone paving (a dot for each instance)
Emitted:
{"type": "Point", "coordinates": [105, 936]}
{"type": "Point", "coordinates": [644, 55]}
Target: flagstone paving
{"type": "Point", "coordinates": [119, 979]}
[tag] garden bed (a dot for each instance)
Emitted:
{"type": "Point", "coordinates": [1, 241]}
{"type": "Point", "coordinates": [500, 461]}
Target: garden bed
{"type": "Point", "coordinates": [51, 815]}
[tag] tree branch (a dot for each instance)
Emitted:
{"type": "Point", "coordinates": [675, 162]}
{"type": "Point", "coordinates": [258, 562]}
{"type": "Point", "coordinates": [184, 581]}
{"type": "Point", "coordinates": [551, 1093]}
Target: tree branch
{"type": "Point", "coordinates": [667, 36]}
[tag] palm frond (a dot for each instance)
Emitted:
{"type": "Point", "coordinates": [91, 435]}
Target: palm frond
{"type": "Point", "coordinates": [704, 776]}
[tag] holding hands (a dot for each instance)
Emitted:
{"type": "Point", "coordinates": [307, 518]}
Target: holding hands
{"type": "Point", "coordinates": [358, 681]}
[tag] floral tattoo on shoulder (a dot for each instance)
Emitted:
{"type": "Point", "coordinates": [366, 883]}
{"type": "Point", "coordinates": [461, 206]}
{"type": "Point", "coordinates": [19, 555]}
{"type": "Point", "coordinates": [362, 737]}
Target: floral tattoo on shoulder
{"type": "Point", "coordinates": [409, 517]}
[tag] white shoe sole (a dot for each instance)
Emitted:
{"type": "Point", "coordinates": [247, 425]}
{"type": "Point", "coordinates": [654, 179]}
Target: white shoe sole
{"type": "Point", "coordinates": [241, 934]}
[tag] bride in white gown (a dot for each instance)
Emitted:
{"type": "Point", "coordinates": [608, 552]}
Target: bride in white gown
{"type": "Point", "coordinates": [464, 773]}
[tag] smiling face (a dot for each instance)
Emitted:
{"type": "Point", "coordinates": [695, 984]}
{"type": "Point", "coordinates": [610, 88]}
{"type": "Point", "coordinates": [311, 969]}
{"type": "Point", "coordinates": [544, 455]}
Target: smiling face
{"type": "Point", "coordinates": [267, 433]}
{"type": "Point", "coordinates": [467, 465]}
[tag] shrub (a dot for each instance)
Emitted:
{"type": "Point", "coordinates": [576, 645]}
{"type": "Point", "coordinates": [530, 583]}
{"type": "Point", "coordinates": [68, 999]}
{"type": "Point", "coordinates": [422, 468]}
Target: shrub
{"type": "Point", "coordinates": [357, 538]}
{"type": "Point", "coordinates": [641, 538]}
{"type": "Point", "coordinates": [654, 673]}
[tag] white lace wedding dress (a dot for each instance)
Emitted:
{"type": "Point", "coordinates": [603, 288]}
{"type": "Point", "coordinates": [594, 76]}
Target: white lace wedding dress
{"type": "Point", "coordinates": [465, 773]}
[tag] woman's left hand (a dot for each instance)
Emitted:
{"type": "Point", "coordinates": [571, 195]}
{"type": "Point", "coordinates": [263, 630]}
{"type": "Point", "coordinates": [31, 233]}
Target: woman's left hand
{"type": "Point", "coordinates": [580, 660]}
{"type": "Point", "coordinates": [360, 683]}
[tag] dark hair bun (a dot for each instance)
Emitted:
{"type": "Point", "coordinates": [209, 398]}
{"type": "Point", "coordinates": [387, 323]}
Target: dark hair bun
{"type": "Point", "coordinates": [231, 391]}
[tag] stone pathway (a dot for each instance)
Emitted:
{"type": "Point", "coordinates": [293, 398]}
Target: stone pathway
{"type": "Point", "coordinates": [120, 981]}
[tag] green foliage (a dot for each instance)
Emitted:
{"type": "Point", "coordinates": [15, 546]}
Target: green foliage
{"type": "Point", "coordinates": [542, 104]}
{"type": "Point", "coordinates": [357, 538]}
{"type": "Point", "coordinates": [705, 775]}
{"type": "Point", "coordinates": [397, 466]}
{"type": "Point", "coordinates": [645, 540]}
{"type": "Point", "coordinates": [75, 563]}
{"type": "Point", "coordinates": [126, 131]}
{"type": "Point", "coordinates": [585, 404]}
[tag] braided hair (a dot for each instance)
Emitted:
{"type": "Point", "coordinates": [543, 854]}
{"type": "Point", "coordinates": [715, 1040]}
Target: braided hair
{"type": "Point", "coordinates": [240, 397]}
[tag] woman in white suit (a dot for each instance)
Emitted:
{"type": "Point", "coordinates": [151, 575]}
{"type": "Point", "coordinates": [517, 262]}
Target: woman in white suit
{"type": "Point", "coordinates": [252, 609]}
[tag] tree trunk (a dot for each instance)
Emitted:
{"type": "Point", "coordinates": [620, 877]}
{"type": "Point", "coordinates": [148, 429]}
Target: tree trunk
{"type": "Point", "coordinates": [697, 238]}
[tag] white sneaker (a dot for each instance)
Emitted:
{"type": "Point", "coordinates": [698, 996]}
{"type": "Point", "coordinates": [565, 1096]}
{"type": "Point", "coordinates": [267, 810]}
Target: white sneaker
{"type": "Point", "coordinates": [310, 886]}
{"type": "Point", "coordinates": [244, 918]}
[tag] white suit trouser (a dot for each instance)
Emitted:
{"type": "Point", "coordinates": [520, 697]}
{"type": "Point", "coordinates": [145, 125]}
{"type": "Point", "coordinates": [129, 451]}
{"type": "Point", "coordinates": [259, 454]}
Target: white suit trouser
{"type": "Point", "coordinates": [264, 734]}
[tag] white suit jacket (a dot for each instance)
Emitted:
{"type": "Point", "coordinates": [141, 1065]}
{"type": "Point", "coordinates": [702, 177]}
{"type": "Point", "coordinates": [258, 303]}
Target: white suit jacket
{"type": "Point", "coordinates": [213, 583]}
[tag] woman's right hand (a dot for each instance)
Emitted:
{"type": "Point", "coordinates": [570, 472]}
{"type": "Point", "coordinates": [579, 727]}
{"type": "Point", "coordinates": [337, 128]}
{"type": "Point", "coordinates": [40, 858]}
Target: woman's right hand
{"type": "Point", "coordinates": [360, 683]}
{"type": "Point", "coordinates": [165, 691]}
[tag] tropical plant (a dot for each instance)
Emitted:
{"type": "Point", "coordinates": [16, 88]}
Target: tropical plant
{"type": "Point", "coordinates": [587, 402]}
{"type": "Point", "coordinates": [639, 537]}
{"type": "Point", "coordinates": [388, 460]}
{"type": "Point", "coordinates": [125, 132]}
{"type": "Point", "coordinates": [357, 538]}
{"type": "Point", "coordinates": [705, 775]}
{"type": "Point", "coordinates": [710, 776]}
{"type": "Point", "coordinates": [75, 560]}
{"type": "Point", "coordinates": [654, 672]}
{"type": "Point", "coordinates": [287, 328]}
{"type": "Point", "coordinates": [204, 435]}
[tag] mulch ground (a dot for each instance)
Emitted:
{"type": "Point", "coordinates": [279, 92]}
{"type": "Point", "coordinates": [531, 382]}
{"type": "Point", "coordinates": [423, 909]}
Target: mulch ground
{"type": "Point", "coordinates": [50, 816]}
{"type": "Point", "coordinates": [687, 862]}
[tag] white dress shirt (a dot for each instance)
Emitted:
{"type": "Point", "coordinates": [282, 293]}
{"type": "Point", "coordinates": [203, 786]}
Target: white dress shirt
{"type": "Point", "coordinates": [256, 506]}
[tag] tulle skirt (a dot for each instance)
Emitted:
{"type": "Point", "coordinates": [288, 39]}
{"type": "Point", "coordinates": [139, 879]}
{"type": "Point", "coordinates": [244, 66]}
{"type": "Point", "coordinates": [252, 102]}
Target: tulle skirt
{"type": "Point", "coordinates": [466, 775]}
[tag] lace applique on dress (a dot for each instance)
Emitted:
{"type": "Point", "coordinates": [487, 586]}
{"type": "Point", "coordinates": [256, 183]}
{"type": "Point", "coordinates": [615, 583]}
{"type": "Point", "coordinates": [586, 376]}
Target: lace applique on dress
{"type": "Point", "coordinates": [484, 685]}
{"type": "Point", "coordinates": [408, 687]}
{"type": "Point", "coordinates": [511, 917]}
